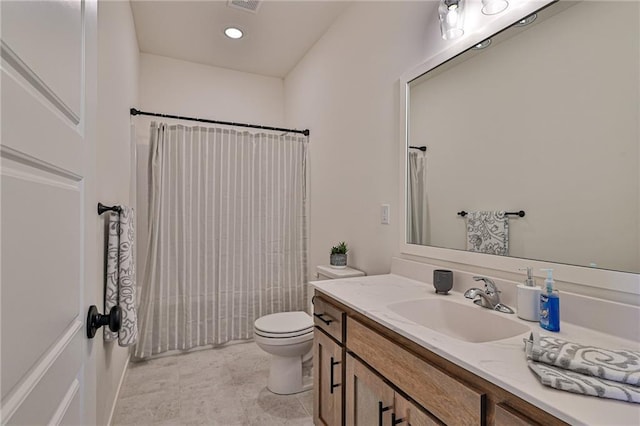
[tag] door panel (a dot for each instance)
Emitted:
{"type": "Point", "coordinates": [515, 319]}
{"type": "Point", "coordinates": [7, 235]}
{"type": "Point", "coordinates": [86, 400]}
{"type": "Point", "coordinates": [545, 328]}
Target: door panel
{"type": "Point", "coordinates": [41, 404]}
{"type": "Point", "coordinates": [21, 103]}
{"type": "Point", "coordinates": [32, 230]}
{"type": "Point", "coordinates": [42, 33]}
{"type": "Point", "coordinates": [48, 221]}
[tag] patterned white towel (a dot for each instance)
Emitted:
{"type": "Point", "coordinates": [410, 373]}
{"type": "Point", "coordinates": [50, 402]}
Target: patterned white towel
{"type": "Point", "coordinates": [121, 276]}
{"type": "Point", "coordinates": [618, 365]}
{"type": "Point", "coordinates": [588, 370]}
{"type": "Point", "coordinates": [571, 381]}
{"type": "Point", "coordinates": [488, 232]}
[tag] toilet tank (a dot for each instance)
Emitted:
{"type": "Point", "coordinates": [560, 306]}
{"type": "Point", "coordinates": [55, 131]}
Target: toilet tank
{"type": "Point", "coordinates": [326, 272]}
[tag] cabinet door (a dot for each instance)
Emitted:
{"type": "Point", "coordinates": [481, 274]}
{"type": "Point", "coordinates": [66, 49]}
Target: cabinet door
{"type": "Point", "coordinates": [368, 399]}
{"type": "Point", "coordinates": [507, 416]}
{"type": "Point", "coordinates": [409, 414]}
{"type": "Point", "coordinates": [327, 383]}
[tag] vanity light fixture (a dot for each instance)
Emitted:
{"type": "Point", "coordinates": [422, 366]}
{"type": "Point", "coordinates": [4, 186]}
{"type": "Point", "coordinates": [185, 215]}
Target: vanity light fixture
{"type": "Point", "coordinates": [451, 13]}
{"type": "Point", "coordinates": [483, 44]}
{"type": "Point", "coordinates": [526, 21]}
{"type": "Point", "coordinates": [493, 7]}
{"type": "Point", "coordinates": [233, 32]}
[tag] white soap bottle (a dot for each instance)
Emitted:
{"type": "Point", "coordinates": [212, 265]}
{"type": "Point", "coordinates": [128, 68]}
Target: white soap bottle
{"type": "Point", "coordinates": [528, 298]}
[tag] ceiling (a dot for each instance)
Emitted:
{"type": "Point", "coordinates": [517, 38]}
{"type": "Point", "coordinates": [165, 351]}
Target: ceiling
{"type": "Point", "coordinates": [276, 37]}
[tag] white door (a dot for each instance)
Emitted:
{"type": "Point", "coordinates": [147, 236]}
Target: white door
{"type": "Point", "coordinates": [48, 211]}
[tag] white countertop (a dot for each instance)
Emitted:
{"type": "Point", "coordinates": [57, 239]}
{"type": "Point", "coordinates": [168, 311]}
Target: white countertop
{"type": "Point", "coordinates": [501, 362]}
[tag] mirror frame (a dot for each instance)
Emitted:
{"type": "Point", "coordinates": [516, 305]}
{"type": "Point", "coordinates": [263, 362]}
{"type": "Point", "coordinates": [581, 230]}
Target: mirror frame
{"type": "Point", "coordinates": [603, 279]}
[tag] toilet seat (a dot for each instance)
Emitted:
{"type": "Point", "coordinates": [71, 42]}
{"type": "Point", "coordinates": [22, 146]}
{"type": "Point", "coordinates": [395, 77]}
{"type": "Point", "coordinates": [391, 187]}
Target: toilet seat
{"type": "Point", "coordinates": [284, 325]}
{"type": "Point", "coordinates": [279, 341]}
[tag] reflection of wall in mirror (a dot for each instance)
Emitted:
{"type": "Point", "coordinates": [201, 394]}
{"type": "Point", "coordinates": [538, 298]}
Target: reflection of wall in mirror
{"type": "Point", "coordinates": [559, 140]}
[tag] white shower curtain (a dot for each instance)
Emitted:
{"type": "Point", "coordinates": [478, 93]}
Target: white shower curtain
{"type": "Point", "coordinates": [227, 235]}
{"type": "Point", "coordinates": [417, 211]}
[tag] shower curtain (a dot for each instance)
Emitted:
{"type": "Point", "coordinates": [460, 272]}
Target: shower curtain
{"type": "Point", "coordinates": [417, 212]}
{"type": "Point", "coordinates": [227, 235]}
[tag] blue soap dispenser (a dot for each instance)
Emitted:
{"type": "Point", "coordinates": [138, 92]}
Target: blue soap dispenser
{"type": "Point", "coordinates": [549, 305]}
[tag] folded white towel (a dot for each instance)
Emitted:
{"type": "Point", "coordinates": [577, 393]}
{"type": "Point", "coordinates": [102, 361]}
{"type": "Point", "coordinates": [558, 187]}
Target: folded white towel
{"type": "Point", "coordinates": [571, 381]}
{"type": "Point", "coordinates": [587, 370]}
{"type": "Point", "coordinates": [618, 365]}
{"type": "Point", "coordinates": [121, 276]}
{"type": "Point", "coordinates": [488, 232]}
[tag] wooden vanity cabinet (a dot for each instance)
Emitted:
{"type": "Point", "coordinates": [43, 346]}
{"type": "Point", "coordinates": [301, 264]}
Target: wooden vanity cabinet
{"type": "Point", "coordinates": [328, 363]}
{"type": "Point", "coordinates": [391, 378]}
{"type": "Point", "coordinates": [370, 401]}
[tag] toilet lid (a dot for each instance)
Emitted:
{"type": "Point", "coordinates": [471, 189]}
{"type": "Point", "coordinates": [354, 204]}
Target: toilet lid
{"type": "Point", "coordinates": [284, 323]}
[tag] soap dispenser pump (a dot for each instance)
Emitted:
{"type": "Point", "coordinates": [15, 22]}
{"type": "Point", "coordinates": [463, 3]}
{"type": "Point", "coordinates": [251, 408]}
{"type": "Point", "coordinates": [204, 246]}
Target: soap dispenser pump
{"type": "Point", "coordinates": [528, 298]}
{"type": "Point", "coordinates": [550, 305]}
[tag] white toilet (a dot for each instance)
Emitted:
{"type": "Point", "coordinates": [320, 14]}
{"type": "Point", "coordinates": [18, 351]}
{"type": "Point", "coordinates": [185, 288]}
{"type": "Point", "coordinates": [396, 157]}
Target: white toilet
{"type": "Point", "coordinates": [288, 337]}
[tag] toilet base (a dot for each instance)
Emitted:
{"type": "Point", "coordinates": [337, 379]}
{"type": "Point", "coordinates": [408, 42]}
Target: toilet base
{"type": "Point", "coordinates": [285, 376]}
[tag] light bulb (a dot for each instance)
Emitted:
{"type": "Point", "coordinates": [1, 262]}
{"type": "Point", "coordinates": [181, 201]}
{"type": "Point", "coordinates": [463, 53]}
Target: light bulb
{"type": "Point", "coordinates": [493, 7]}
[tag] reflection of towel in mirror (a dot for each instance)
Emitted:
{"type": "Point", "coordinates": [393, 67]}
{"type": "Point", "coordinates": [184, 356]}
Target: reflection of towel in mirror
{"type": "Point", "coordinates": [488, 232]}
{"type": "Point", "coordinates": [583, 369]}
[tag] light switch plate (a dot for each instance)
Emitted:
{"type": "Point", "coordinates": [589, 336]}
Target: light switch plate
{"type": "Point", "coordinates": [384, 214]}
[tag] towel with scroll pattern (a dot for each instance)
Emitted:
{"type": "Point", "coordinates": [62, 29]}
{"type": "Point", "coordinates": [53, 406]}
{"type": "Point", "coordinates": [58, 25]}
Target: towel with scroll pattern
{"type": "Point", "coordinates": [587, 370]}
{"type": "Point", "coordinates": [488, 232]}
{"type": "Point", "coordinates": [121, 276]}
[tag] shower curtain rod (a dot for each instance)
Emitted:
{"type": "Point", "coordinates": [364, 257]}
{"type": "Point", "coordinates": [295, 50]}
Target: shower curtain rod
{"type": "Point", "coordinates": [134, 112]}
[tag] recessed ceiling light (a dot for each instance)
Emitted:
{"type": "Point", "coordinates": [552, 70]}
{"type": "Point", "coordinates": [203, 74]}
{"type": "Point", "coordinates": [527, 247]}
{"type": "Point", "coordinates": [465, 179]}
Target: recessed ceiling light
{"type": "Point", "coordinates": [233, 32]}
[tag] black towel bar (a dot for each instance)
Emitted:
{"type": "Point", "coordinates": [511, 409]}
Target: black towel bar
{"type": "Point", "coordinates": [519, 213]}
{"type": "Point", "coordinates": [102, 208]}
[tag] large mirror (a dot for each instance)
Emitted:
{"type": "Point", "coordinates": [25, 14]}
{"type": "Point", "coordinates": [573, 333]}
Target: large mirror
{"type": "Point", "coordinates": [545, 120]}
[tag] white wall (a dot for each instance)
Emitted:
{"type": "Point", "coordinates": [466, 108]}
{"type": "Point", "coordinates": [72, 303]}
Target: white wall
{"type": "Point", "coordinates": [178, 87]}
{"type": "Point", "coordinates": [183, 88]}
{"type": "Point", "coordinates": [117, 92]}
{"type": "Point", "coordinates": [345, 90]}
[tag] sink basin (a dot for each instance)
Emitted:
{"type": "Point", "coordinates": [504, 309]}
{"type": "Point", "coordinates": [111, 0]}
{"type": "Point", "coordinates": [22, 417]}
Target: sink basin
{"type": "Point", "coordinates": [469, 323]}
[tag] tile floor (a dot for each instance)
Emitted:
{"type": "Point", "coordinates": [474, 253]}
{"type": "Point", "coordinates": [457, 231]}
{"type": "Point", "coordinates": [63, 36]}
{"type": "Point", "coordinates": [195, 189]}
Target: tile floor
{"type": "Point", "coordinates": [225, 386]}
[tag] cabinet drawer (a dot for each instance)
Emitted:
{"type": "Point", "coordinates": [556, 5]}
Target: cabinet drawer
{"type": "Point", "coordinates": [452, 401]}
{"type": "Point", "coordinates": [329, 318]}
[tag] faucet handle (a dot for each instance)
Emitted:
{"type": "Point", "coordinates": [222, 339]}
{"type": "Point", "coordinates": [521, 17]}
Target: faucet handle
{"type": "Point", "coordinates": [489, 285]}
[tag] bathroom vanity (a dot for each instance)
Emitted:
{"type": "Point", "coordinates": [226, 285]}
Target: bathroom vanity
{"type": "Point", "coordinates": [374, 366]}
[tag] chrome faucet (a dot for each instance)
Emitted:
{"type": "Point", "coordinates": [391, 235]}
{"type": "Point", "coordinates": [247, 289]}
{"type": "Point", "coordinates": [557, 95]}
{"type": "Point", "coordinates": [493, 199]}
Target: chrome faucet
{"type": "Point", "coordinates": [489, 297]}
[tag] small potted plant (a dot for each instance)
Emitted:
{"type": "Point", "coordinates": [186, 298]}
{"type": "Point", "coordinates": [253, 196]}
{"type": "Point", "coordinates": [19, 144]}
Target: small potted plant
{"type": "Point", "coordinates": [338, 257]}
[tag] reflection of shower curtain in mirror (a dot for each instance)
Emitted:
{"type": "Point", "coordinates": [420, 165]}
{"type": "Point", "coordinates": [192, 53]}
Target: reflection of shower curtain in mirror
{"type": "Point", "coordinates": [227, 235]}
{"type": "Point", "coordinates": [417, 203]}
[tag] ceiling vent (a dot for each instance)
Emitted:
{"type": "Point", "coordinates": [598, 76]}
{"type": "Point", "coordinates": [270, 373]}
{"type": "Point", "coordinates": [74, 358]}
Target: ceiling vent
{"type": "Point", "coordinates": [246, 5]}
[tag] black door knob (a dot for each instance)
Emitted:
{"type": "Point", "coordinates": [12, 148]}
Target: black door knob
{"type": "Point", "coordinates": [95, 320]}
